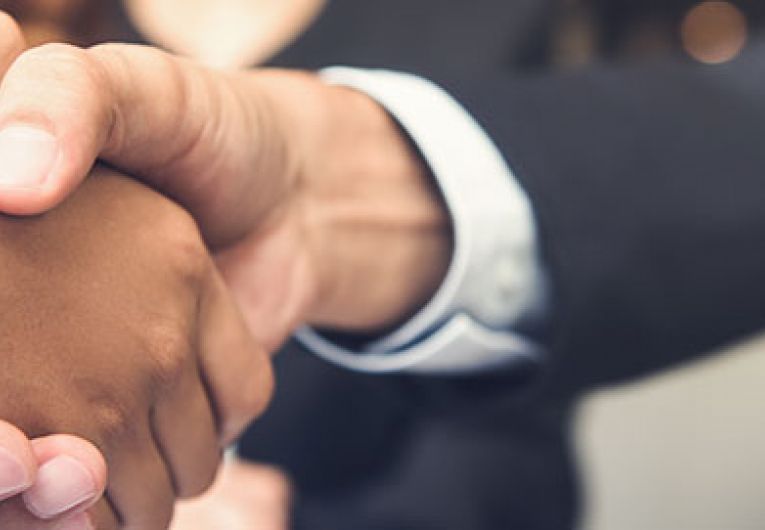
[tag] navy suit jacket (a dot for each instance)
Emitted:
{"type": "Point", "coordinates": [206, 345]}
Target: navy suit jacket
{"type": "Point", "coordinates": [648, 183]}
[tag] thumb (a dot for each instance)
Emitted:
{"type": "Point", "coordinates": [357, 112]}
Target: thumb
{"type": "Point", "coordinates": [56, 476]}
{"type": "Point", "coordinates": [65, 478]}
{"type": "Point", "coordinates": [71, 477]}
{"type": "Point", "coordinates": [190, 132]}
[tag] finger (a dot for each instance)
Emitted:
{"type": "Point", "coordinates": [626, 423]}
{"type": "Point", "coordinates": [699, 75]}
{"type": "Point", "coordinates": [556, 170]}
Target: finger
{"type": "Point", "coordinates": [185, 432]}
{"type": "Point", "coordinates": [238, 372]}
{"type": "Point", "coordinates": [141, 489]}
{"type": "Point", "coordinates": [71, 478]}
{"type": "Point", "coordinates": [18, 465]}
{"type": "Point", "coordinates": [148, 113]}
{"type": "Point", "coordinates": [11, 42]}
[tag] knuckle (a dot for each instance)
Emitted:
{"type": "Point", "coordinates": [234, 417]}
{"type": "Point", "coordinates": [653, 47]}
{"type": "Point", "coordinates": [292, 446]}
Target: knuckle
{"type": "Point", "coordinates": [62, 66]}
{"type": "Point", "coordinates": [125, 59]}
{"type": "Point", "coordinates": [169, 344]}
{"type": "Point", "coordinates": [118, 59]}
{"type": "Point", "coordinates": [113, 422]}
{"type": "Point", "coordinates": [175, 236]}
{"type": "Point", "coordinates": [189, 255]}
{"type": "Point", "coordinates": [168, 73]}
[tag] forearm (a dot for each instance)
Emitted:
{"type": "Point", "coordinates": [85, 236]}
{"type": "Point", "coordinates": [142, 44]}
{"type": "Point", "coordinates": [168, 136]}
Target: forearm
{"type": "Point", "coordinates": [379, 232]}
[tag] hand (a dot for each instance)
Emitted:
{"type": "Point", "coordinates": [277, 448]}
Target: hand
{"type": "Point", "coordinates": [32, 473]}
{"type": "Point", "coordinates": [263, 160]}
{"type": "Point", "coordinates": [118, 329]}
{"type": "Point", "coordinates": [305, 191]}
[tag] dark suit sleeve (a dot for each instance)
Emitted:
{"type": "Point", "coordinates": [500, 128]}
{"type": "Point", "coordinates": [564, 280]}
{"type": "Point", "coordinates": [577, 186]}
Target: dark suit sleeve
{"type": "Point", "coordinates": [649, 190]}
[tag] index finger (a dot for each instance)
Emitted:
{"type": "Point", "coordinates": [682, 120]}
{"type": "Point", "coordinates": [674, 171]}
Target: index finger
{"type": "Point", "coordinates": [236, 368]}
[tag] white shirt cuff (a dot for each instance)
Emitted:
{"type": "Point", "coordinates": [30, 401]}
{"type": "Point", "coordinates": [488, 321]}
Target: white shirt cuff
{"type": "Point", "coordinates": [495, 280]}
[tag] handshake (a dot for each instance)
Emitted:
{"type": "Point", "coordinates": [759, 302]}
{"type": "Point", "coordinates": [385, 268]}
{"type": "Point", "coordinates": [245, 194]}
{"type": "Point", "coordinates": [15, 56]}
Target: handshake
{"type": "Point", "coordinates": [165, 228]}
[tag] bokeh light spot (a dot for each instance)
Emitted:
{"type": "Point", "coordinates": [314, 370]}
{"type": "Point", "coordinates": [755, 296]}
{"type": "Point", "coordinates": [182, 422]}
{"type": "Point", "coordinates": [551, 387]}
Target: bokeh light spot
{"type": "Point", "coordinates": [714, 32]}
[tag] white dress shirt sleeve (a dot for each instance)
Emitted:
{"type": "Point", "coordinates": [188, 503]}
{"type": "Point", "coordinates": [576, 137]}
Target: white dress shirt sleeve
{"type": "Point", "coordinates": [495, 280]}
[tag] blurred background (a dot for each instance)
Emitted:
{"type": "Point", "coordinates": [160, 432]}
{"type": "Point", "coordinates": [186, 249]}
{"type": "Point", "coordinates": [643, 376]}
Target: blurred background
{"type": "Point", "coordinates": [680, 450]}
{"type": "Point", "coordinates": [570, 34]}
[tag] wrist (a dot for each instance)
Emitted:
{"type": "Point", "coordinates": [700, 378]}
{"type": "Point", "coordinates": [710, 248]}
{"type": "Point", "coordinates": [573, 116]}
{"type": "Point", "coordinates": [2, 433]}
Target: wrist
{"type": "Point", "coordinates": [377, 234]}
{"type": "Point", "coordinates": [379, 229]}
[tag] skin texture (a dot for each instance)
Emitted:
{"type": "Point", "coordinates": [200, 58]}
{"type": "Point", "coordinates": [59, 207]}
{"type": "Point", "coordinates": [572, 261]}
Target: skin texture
{"type": "Point", "coordinates": [324, 182]}
{"type": "Point", "coordinates": [20, 457]}
{"type": "Point", "coordinates": [301, 204]}
{"type": "Point", "coordinates": [121, 332]}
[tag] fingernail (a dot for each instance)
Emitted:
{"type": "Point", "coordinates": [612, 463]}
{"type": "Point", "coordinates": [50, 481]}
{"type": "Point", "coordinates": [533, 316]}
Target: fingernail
{"type": "Point", "coordinates": [27, 155]}
{"type": "Point", "coordinates": [78, 522]}
{"type": "Point", "coordinates": [62, 484]}
{"type": "Point", "coordinates": [13, 475]}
